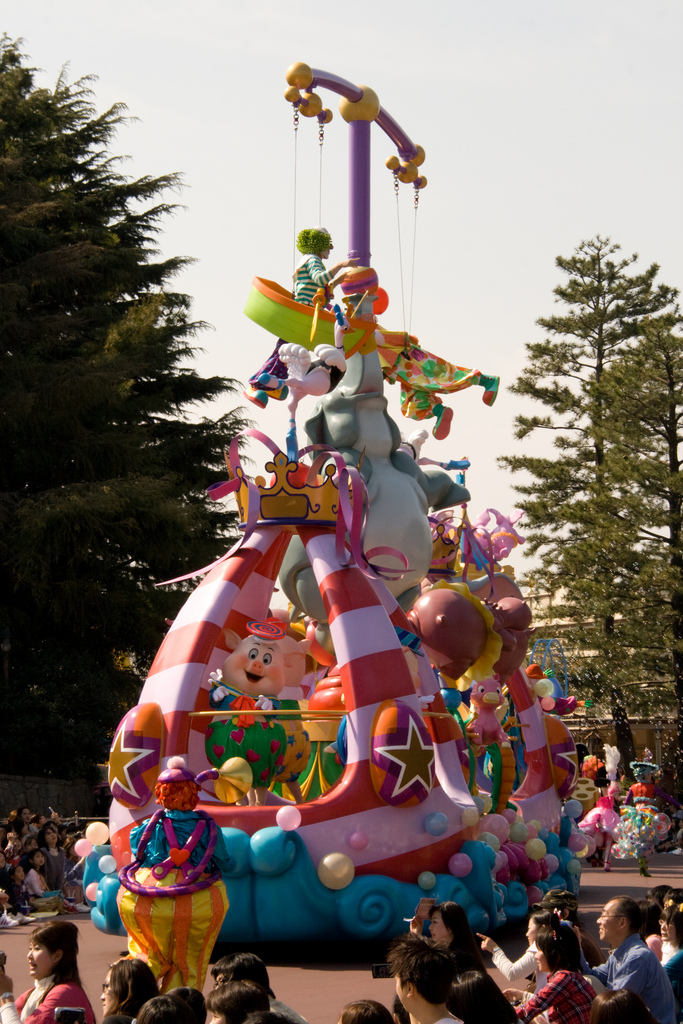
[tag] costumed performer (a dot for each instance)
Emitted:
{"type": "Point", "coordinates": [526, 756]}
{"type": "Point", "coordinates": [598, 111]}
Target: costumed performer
{"type": "Point", "coordinates": [172, 898]}
{"type": "Point", "coordinates": [638, 815]}
{"type": "Point", "coordinates": [601, 821]}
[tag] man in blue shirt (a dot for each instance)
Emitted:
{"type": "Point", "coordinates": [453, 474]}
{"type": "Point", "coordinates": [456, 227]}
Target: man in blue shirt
{"type": "Point", "coordinates": [632, 964]}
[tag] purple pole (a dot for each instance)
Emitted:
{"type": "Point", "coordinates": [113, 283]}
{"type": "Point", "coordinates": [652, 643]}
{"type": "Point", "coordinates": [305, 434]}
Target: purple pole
{"type": "Point", "coordinates": [359, 192]}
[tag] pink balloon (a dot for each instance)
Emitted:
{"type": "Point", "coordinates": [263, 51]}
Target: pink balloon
{"type": "Point", "coordinates": [288, 818]}
{"type": "Point", "coordinates": [358, 840]}
{"type": "Point", "coordinates": [576, 841]}
{"type": "Point", "coordinates": [547, 703]}
{"type": "Point", "coordinates": [552, 862]}
{"type": "Point", "coordinates": [533, 894]}
{"type": "Point", "coordinates": [497, 825]}
{"type": "Point", "coordinates": [460, 865]}
{"type": "Point", "coordinates": [91, 892]}
{"type": "Point", "coordinates": [531, 873]}
{"type": "Point", "coordinates": [503, 875]}
{"type": "Point", "coordinates": [510, 815]}
{"type": "Point", "coordinates": [83, 847]}
{"type": "Point", "coordinates": [533, 831]}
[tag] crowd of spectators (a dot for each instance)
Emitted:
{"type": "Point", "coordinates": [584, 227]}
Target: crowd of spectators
{"type": "Point", "coordinates": [567, 978]}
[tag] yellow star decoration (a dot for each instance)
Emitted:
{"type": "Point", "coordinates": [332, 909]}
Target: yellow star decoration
{"type": "Point", "coordinates": [415, 759]}
{"type": "Point", "coordinates": [121, 761]}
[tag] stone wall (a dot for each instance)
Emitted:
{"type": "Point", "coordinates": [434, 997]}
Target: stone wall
{"type": "Point", "coordinates": [39, 794]}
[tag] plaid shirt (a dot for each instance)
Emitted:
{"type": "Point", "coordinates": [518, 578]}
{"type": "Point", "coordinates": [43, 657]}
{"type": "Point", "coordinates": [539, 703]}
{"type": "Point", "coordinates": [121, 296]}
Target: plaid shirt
{"type": "Point", "coordinates": [567, 997]}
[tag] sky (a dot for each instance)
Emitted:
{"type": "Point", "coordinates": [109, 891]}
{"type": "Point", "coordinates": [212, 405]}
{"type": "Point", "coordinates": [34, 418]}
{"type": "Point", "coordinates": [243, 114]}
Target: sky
{"type": "Point", "coordinates": [544, 124]}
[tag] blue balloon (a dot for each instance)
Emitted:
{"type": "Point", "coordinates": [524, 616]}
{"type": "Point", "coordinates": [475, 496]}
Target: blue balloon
{"type": "Point", "coordinates": [436, 823]}
{"type": "Point", "coordinates": [451, 698]}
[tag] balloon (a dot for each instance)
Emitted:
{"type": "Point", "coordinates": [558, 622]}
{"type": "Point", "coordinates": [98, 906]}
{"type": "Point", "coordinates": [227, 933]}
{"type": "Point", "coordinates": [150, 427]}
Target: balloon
{"type": "Point", "coordinates": [460, 865]}
{"type": "Point", "coordinates": [547, 703]}
{"type": "Point", "coordinates": [573, 809]}
{"type": "Point", "coordinates": [532, 830]}
{"type": "Point", "coordinates": [289, 818]}
{"type": "Point", "coordinates": [490, 840]}
{"type": "Point", "coordinates": [335, 870]}
{"type": "Point", "coordinates": [358, 840]}
{"type": "Point", "coordinates": [91, 892]}
{"type": "Point", "coordinates": [576, 842]}
{"type": "Point", "coordinates": [426, 880]}
{"type": "Point", "coordinates": [479, 804]}
{"type": "Point", "coordinates": [97, 832]}
{"type": "Point", "coordinates": [470, 816]}
{"type": "Point", "coordinates": [107, 864]}
{"type": "Point", "coordinates": [519, 833]}
{"type": "Point", "coordinates": [83, 847]}
{"type": "Point", "coordinates": [436, 824]}
{"type": "Point", "coordinates": [382, 302]}
{"type": "Point", "coordinates": [535, 849]}
{"type": "Point", "coordinates": [487, 802]}
{"type": "Point", "coordinates": [510, 815]}
{"type": "Point", "coordinates": [497, 825]}
{"type": "Point", "coordinates": [533, 894]}
{"type": "Point", "coordinates": [573, 867]}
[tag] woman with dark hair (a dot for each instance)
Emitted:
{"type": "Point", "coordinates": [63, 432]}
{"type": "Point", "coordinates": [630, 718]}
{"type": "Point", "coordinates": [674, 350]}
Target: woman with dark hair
{"type": "Point", "coordinates": [194, 999]}
{"type": "Point", "coordinates": [649, 929]}
{"type": "Point", "coordinates": [567, 995]}
{"type": "Point", "coordinates": [53, 965]}
{"type": "Point", "coordinates": [526, 964]}
{"type": "Point", "coordinates": [475, 997]}
{"type": "Point", "coordinates": [365, 1011]}
{"type": "Point", "coordinates": [165, 1009]}
{"type": "Point", "coordinates": [671, 924]}
{"type": "Point", "coordinates": [448, 926]}
{"type": "Point", "coordinates": [232, 1002]}
{"type": "Point", "coordinates": [55, 858]}
{"type": "Point", "coordinates": [620, 1006]}
{"type": "Point", "coordinates": [128, 986]}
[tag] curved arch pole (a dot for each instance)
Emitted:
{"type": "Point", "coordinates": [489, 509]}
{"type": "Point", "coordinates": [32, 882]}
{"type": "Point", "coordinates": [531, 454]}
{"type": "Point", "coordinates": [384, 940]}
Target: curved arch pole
{"type": "Point", "coordinates": [359, 161]}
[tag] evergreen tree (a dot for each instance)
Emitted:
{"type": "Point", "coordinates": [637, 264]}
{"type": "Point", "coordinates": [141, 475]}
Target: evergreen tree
{"type": "Point", "coordinates": [644, 390]}
{"type": "Point", "coordinates": [581, 521]}
{"type": "Point", "coordinates": [103, 475]}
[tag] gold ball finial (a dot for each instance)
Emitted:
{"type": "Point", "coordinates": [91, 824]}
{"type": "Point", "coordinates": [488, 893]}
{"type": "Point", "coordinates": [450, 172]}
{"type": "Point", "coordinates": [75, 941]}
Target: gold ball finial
{"type": "Point", "coordinates": [392, 162]}
{"type": "Point", "coordinates": [408, 172]}
{"type": "Point", "coordinates": [364, 109]}
{"type": "Point", "coordinates": [419, 159]}
{"type": "Point", "coordinates": [292, 94]}
{"type": "Point", "coordinates": [299, 74]}
{"type": "Point", "coordinates": [313, 106]}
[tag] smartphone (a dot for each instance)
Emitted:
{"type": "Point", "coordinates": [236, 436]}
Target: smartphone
{"type": "Point", "coordinates": [424, 906]}
{"type": "Point", "coordinates": [70, 1014]}
{"type": "Point", "coordinates": [381, 971]}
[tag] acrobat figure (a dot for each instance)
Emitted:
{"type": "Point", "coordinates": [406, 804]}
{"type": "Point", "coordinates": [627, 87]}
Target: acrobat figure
{"type": "Point", "coordinates": [602, 820]}
{"type": "Point", "coordinates": [310, 279]}
{"type": "Point", "coordinates": [172, 898]}
{"type": "Point", "coordinates": [263, 666]}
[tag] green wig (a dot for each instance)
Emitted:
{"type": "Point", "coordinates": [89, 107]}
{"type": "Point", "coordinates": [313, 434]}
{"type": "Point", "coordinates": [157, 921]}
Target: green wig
{"type": "Point", "coordinates": [313, 241]}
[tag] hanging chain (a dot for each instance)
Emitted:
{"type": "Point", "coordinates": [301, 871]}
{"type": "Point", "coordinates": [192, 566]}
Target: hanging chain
{"type": "Point", "coordinates": [295, 122]}
{"type": "Point", "coordinates": [416, 203]}
{"type": "Point", "coordinates": [400, 254]}
{"type": "Point", "coordinates": [321, 132]}
{"type": "Point", "coordinates": [321, 140]}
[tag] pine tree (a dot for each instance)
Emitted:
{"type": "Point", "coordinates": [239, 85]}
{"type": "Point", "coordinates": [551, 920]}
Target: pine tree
{"type": "Point", "coordinates": [105, 461]}
{"type": "Point", "coordinates": [581, 521]}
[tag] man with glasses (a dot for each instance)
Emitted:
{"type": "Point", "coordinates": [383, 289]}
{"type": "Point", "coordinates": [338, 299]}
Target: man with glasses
{"type": "Point", "coordinates": [632, 964]}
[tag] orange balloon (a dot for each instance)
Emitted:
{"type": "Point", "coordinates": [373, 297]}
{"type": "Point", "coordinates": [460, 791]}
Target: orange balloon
{"type": "Point", "coordinates": [382, 302]}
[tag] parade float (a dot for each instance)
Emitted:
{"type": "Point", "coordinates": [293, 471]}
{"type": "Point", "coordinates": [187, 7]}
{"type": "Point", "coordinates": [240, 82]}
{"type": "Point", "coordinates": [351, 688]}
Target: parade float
{"type": "Point", "coordinates": [427, 761]}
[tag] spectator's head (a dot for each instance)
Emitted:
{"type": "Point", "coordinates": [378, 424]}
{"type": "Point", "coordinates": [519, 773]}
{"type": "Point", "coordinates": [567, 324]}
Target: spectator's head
{"type": "Point", "coordinates": [365, 1011]}
{"type": "Point", "coordinates": [69, 844]}
{"type": "Point", "coordinates": [36, 860]}
{"type": "Point", "coordinates": [659, 894]}
{"type": "Point", "coordinates": [558, 948]}
{"type": "Point", "coordinates": [399, 1012]}
{"type": "Point", "coordinates": [241, 967]}
{"type": "Point", "coordinates": [539, 919]}
{"type": "Point", "coordinates": [3, 860]}
{"type": "Point", "coordinates": [650, 914]}
{"type": "Point", "coordinates": [165, 1009]}
{"type": "Point", "coordinates": [48, 837]}
{"type": "Point", "coordinates": [54, 950]}
{"type": "Point", "coordinates": [232, 1002]}
{"type": "Point", "coordinates": [620, 1006]}
{"type": "Point", "coordinates": [21, 815]}
{"type": "Point", "coordinates": [37, 821]}
{"type": "Point", "coordinates": [449, 927]}
{"type": "Point", "coordinates": [29, 842]}
{"type": "Point", "coordinates": [620, 918]}
{"type": "Point", "coordinates": [194, 999]}
{"type": "Point", "coordinates": [475, 997]}
{"type": "Point", "coordinates": [17, 874]}
{"type": "Point", "coordinates": [267, 1017]}
{"type": "Point", "coordinates": [423, 971]}
{"type": "Point", "coordinates": [129, 984]}
{"type": "Point", "coordinates": [671, 924]}
{"type": "Point", "coordinates": [563, 902]}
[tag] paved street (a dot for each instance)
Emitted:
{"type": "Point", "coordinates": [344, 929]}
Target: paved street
{"type": "Point", "coordinates": [318, 979]}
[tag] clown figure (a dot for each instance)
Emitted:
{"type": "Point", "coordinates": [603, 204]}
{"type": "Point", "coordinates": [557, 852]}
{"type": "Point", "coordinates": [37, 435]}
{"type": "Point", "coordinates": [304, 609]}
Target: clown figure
{"type": "Point", "coordinates": [172, 898]}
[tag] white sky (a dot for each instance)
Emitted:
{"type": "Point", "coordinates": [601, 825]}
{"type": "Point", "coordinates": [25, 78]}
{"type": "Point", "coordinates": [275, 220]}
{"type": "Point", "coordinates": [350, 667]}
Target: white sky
{"type": "Point", "coordinates": [544, 122]}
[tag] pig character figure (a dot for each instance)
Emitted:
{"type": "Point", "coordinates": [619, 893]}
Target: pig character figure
{"type": "Point", "coordinates": [265, 664]}
{"type": "Point", "coordinates": [485, 698]}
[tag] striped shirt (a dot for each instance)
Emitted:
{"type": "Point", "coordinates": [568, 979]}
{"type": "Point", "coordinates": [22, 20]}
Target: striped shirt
{"type": "Point", "coordinates": [308, 277]}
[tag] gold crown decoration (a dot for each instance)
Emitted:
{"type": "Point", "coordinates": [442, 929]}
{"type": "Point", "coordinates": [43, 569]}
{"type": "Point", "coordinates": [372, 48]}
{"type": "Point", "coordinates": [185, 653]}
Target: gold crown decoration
{"type": "Point", "coordinates": [288, 500]}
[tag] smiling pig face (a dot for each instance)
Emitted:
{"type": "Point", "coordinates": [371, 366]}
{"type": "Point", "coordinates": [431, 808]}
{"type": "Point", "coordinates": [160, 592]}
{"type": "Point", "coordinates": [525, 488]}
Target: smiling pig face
{"type": "Point", "coordinates": [256, 667]}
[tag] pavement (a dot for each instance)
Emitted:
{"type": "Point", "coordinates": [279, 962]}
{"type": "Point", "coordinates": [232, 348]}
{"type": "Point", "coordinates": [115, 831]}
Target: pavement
{"type": "Point", "coordinates": [318, 979]}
